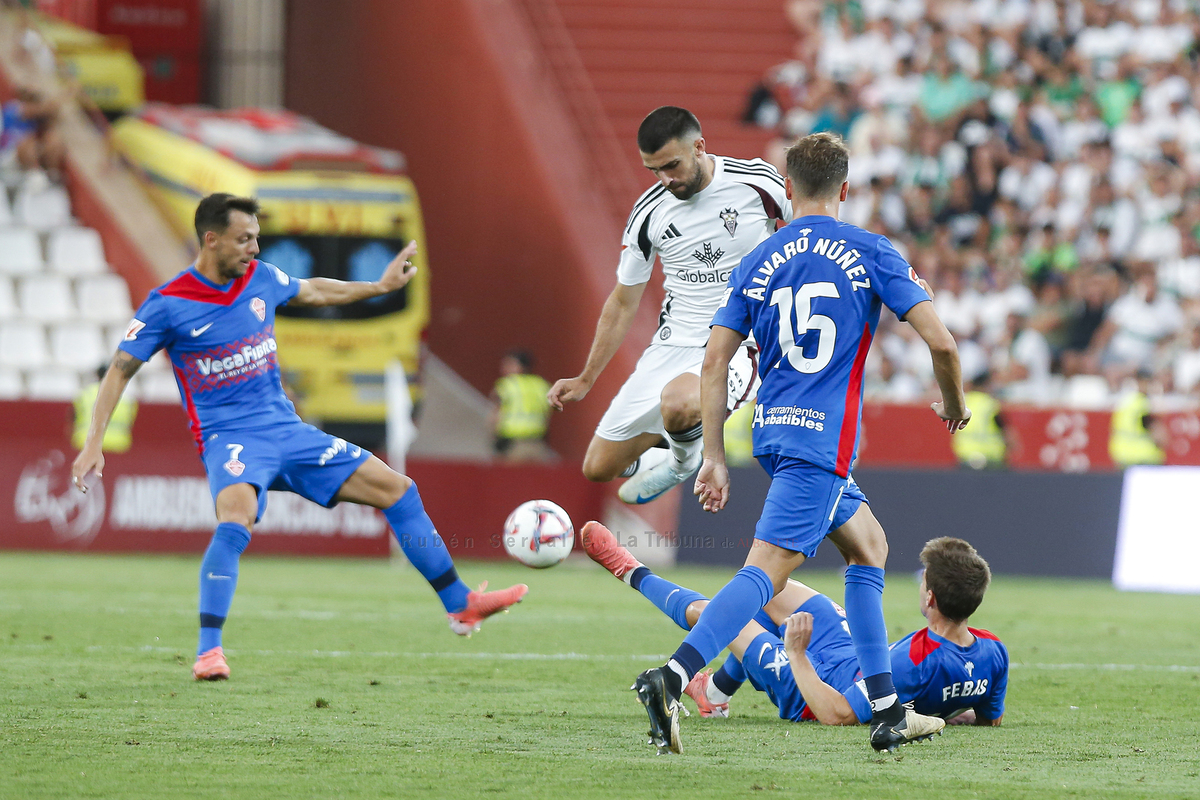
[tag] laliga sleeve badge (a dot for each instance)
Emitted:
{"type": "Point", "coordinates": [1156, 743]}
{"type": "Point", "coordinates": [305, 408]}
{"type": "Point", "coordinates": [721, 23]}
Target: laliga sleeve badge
{"type": "Point", "coordinates": [259, 308]}
{"type": "Point", "coordinates": [233, 466]}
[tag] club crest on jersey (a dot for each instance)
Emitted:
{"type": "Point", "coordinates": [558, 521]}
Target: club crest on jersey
{"type": "Point", "coordinates": [708, 256]}
{"type": "Point", "coordinates": [259, 308]}
{"type": "Point", "coordinates": [729, 218]}
{"type": "Point", "coordinates": [233, 466]}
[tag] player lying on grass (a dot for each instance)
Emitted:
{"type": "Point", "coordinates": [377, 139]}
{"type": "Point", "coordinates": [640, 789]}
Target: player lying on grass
{"type": "Point", "coordinates": [216, 321]}
{"type": "Point", "coordinates": [799, 652]}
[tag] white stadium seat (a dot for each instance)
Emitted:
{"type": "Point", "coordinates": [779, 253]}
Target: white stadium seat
{"type": "Point", "coordinates": [20, 251]}
{"type": "Point", "coordinates": [46, 298]}
{"type": "Point", "coordinates": [8, 302]}
{"type": "Point", "coordinates": [78, 345]}
{"type": "Point", "coordinates": [43, 208]}
{"type": "Point", "coordinates": [75, 251]}
{"type": "Point", "coordinates": [23, 344]}
{"type": "Point", "coordinates": [52, 384]}
{"type": "Point", "coordinates": [11, 384]}
{"type": "Point", "coordinates": [103, 298]}
{"type": "Point", "coordinates": [157, 387]}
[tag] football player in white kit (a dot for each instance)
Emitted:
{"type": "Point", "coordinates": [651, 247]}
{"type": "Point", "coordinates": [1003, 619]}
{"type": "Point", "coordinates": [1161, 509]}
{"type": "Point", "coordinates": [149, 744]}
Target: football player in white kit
{"type": "Point", "coordinates": [705, 213]}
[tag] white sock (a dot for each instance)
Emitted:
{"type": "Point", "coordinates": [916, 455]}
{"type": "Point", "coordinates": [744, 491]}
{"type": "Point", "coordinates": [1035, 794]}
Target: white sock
{"type": "Point", "coordinates": [678, 669]}
{"type": "Point", "coordinates": [715, 695]}
{"type": "Point", "coordinates": [685, 450]}
{"type": "Point", "coordinates": [879, 704]}
{"type": "Point", "coordinates": [650, 459]}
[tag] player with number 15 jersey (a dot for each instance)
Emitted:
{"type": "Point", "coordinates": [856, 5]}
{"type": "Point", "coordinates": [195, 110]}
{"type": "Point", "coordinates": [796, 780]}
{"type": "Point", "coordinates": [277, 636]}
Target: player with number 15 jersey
{"type": "Point", "coordinates": [812, 294]}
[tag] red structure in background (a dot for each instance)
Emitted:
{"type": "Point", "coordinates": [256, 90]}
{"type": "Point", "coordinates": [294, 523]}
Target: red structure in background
{"type": "Point", "coordinates": [155, 497]}
{"type": "Point", "coordinates": [1053, 439]}
{"type": "Point", "coordinates": [165, 36]}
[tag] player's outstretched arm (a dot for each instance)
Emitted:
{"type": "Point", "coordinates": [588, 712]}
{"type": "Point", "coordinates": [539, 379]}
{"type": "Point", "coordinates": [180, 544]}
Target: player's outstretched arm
{"type": "Point", "coordinates": [946, 369]}
{"type": "Point", "coordinates": [615, 320]}
{"type": "Point", "coordinates": [828, 704]}
{"type": "Point", "coordinates": [712, 481]}
{"type": "Point", "coordinates": [112, 386]}
{"type": "Point", "coordinates": [331, 292]}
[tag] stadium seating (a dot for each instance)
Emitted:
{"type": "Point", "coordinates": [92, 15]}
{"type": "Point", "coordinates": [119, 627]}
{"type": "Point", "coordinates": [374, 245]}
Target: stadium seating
{"type": "Point", "coordinates": [42, 208]}
{"type": "Point", "coordinates": [62, 312]}
{"type": "Point", "coordinates": [8, 302]}
{"type": "Point", "coordinates": [45, 298]}
{"type": "Point", "coordinates": [104, 298]}
{"type": "Point", "coordinates": [23, 344]}
{"type": "Point", "coordinates": [75, 251]}
{"type": "Point", "coordinates": [78, 345]}
{"type": "Point", "coordinates": [157, 386]}
{"type": "Point", "coordinates": [20, 251]}
{"type": "Point", "coordinates": [12, 387]}
{"type": "Point", "coordinates": [53, 384]}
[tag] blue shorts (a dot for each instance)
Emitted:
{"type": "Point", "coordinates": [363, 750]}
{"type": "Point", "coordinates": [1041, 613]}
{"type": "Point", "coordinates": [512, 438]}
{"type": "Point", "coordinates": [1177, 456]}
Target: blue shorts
{"type": "Point", "coordinates": [831, 652]}
{"type": "Point", "coordinates": [801, 504]}
{"type": "Point", "coordinates": [293, 457]}
{"type": "Point", "coordinates": [851, 499]}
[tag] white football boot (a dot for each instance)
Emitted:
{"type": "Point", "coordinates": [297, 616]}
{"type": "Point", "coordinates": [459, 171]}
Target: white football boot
{"type": "Point", "coordinates": [646, 485]}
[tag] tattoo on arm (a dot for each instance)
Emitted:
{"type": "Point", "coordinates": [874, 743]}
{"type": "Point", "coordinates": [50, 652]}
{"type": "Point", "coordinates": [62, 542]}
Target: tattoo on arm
{"type": "Point", "coordinates": [127, 364]}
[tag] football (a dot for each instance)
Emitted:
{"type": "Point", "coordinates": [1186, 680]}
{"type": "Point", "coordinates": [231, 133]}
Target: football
{"type": "Point", "coordinates": [539, 534]}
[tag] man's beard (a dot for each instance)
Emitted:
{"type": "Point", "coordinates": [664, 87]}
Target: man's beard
{"type": "Point", "coordinates": [689, 189]}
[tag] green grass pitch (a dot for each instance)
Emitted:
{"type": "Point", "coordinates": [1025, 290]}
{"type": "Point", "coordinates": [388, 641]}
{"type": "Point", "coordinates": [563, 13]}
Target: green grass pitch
{"type": "Point", "coordinates": [348, 684]}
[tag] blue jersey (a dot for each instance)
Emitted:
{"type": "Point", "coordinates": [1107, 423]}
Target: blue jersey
{"type": "Point", "coordinates": [943, 679]}
{"type": "Point", "coordinates": [812, 293]}
{"type": "Point", "coordinates": [221, 342]}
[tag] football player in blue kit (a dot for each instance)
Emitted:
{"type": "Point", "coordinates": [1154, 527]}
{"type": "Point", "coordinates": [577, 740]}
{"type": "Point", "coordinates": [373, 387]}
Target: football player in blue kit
{"type": "Point", "coordinates": [812, 294]}
{"type": "Point", "coordinates": [799, 652]}
{"type": "Point", "coordinates": [216, 322]}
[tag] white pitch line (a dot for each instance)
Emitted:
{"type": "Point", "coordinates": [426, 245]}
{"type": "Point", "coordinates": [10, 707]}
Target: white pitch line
{"type": "Point", "coordinates": [1112, 667]}
{"type": "Point", "coordinates": [571, 656]}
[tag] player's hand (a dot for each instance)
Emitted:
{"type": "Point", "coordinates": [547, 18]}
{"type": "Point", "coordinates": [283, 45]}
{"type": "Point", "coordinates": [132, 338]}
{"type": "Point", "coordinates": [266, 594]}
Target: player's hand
{"type": "Point", "coordinates": [567, 390]}
{"type": "Point", "coordinates": [712, 485]}
{"type": "Point", "coordinates": [965, 718]}
{"type": "Point", "coordinates": [798, 633]}
{"type": "Point", "coordinates": [89, 460]}
{"type": "Point", "coordinates": [953, 423]}
{"type": "Point", "coordinates": [400, 271]}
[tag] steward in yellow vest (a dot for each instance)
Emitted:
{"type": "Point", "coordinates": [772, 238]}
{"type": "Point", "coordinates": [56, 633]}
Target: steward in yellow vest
{"type": "Point", "coordinates": [524, 413]}
{"type": "Point", "coordinates": [981, 445]}
{"type": "Point", "coordinates": [119, 435]}
{"type": "Point", "coordinates": [1132, 441]}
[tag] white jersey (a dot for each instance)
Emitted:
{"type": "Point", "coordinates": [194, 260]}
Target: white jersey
{"type": "Point", "coordinates": [700, 240]}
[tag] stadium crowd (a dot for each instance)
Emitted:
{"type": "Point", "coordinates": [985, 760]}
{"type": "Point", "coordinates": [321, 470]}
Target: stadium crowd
{"type": "Point", "coordinates": [1038, 162]}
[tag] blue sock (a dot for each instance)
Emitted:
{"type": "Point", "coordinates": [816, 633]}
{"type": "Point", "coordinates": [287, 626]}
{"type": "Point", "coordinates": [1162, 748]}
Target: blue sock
{"type": "Point", "coordinates": [425, 550]}
{"type": "Point", "coordinates": [723, 618]}
{"type": "Point", "coordinates": [218, 580]}
{"type": "Point", "coordinates": [669, 598]}
{"type": "Point", "coordinates": [730, 677]}
{"type": "Point", "coordinates": [864, 613]}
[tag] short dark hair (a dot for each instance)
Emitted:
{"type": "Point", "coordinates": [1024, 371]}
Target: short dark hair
{"type": "Point", "coordinates": [213, 212]}
{"type": "Point", "coordinates": [522, 357]}
{"type": "Point", "coordinates": [956, 574]}
{"type": "Point", "coordinates": [818, 164]}
{"type": "Point", "coordinates": [666, 124]}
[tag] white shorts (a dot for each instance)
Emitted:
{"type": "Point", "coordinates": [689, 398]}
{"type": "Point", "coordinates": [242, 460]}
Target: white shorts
{"type": "Point", "coordinates": [637, 407]}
